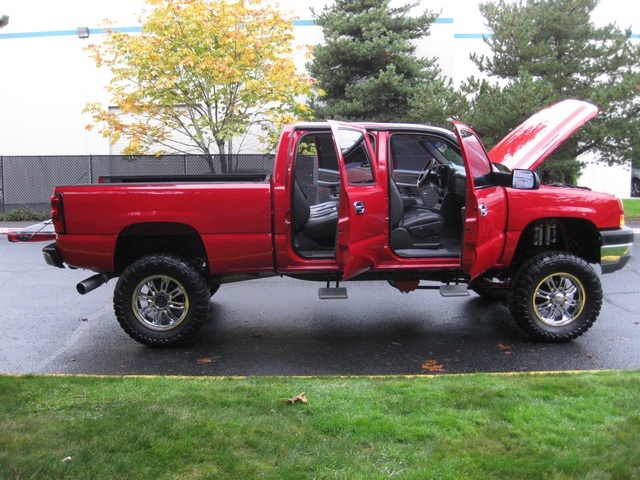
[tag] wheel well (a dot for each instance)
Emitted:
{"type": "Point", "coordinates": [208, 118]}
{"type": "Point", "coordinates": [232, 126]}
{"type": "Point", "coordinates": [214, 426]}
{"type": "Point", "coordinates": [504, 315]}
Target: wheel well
{"type": "Point", "coordinates": [136, 241]}
{"type": "Point", "coordinates": [573, 235]}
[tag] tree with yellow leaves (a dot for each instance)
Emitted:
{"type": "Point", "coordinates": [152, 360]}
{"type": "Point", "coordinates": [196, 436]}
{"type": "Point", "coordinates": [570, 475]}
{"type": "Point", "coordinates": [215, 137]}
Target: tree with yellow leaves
{"type": "Point", "coordinates": [200, 73]}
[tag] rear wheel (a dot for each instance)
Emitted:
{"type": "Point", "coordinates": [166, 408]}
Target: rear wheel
{"type": "Point", "coordinates": [161, 300]}
{"type": "Point", "coordinates": [555, 297]}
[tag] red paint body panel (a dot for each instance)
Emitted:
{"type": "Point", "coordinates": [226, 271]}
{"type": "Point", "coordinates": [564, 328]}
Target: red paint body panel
{"type": "Point", "coordinates": [531, 142]}
{"type": "Point", "coordinates": [93, 252]}
{"type": "Point", "coordinates": [600, 209]}
{"type": "Point", "coordinates": [361, 234]}
{"type": "Point", "coordinates": [232, 208]}
{"type": "Point", "coordinates": [486, 208]}
{"type": "Point", "coordinates": [239, 253]}
{"type": "Point", "coordinates": [233, 220]}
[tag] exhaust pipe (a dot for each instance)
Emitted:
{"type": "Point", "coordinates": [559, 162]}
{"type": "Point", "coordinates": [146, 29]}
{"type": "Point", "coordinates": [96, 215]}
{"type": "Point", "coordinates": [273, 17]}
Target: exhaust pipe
{"type": "Point", "coordinates": [92, 283]}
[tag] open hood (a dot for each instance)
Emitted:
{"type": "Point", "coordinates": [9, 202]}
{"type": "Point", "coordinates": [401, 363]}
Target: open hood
{"type": "Point", "coordinates": [534, 140]}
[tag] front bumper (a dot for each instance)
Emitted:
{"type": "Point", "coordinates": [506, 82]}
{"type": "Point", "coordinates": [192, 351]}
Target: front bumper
{"type": "Point", "coordinates": [52, 256]}
{"type": "Point", "coordinates": [616, 248]}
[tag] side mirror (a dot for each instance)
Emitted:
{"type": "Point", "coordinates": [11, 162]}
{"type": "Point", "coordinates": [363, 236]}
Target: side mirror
{"type": "Point", "coordinates": [525, 180]}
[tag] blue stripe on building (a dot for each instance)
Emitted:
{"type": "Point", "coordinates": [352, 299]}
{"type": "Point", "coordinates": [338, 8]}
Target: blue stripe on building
{"type": "Point", "coordinates": [296, 23]}
{"type": "Point", "coordinates": [471, 35]}
{"type": "Point", "coordinates": [65, 33]}
{"type": "Point", "coordinates": [102, 31]}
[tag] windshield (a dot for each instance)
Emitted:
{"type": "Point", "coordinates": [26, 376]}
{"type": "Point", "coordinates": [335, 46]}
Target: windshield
{"type": "Point", "coordinates": [448, 151]}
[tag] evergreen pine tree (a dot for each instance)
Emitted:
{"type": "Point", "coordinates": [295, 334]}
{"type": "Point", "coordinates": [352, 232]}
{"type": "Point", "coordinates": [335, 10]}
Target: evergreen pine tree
{"type": "Point", "coordinates": [544, 51]}
{"type": "Point", "coordinates": [367, 66]}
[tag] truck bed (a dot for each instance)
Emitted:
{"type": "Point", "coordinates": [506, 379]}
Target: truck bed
{"type": "Point", "coordinates": [229, 214]}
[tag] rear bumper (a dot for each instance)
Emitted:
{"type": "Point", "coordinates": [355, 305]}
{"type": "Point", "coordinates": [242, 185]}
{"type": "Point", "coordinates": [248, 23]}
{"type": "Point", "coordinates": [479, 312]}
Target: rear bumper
{"type": "Point", "coordinates": [616, 249]}
{"type": "Point", "coordinates": [52, 256]}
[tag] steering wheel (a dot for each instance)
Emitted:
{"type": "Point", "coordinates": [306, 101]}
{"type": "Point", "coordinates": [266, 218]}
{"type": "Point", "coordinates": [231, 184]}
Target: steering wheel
{"type": "Point", "coordinates": [425, 172]}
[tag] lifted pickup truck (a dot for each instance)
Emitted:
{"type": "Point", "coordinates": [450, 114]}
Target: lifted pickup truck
{"type": "Point", "coordinates": [386, 202]}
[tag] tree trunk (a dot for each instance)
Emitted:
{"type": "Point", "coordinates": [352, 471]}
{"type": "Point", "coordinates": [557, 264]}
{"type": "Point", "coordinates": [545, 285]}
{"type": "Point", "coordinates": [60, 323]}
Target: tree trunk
{"type": "Point", "coordinates": [224, 156]}
{"type": "Point", "coordinates": [209, 158]}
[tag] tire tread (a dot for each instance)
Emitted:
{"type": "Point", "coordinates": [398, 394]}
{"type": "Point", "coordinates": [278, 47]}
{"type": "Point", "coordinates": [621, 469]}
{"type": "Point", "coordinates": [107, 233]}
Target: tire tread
{"type": "Point", "coordinates": [149, 263]}
{"type": "Point", "coordinates": [527, 278]}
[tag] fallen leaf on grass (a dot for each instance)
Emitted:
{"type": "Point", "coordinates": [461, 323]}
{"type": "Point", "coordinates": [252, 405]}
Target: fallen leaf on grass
{"type": "Point", "coordinates": [432, 366]}
{"type": "Point", "coordinates": [202, 361]}
{"type": "Point", "coordinates": [302, 398]}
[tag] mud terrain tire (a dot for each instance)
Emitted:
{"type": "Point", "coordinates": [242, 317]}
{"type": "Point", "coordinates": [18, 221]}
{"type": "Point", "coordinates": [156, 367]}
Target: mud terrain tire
{"type": "Point", "coordinates": [555, 297]}
{"type": "Point", "coordinates": [161, 300]}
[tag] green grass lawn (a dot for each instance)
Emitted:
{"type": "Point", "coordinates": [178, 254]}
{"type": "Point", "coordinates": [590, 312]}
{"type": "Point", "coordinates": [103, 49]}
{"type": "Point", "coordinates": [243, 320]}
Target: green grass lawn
{"type": "Point", "coordinates": [524, 426]}
{"type": "Point", "coordinates": [632, 207]}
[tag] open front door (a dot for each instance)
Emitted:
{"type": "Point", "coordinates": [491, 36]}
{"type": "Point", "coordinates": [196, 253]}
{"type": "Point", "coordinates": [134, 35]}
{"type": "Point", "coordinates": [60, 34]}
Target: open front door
{"type": "Point", "coordinates": [485, 209]}
{"type": "Point", "coordinates": [362, 207]}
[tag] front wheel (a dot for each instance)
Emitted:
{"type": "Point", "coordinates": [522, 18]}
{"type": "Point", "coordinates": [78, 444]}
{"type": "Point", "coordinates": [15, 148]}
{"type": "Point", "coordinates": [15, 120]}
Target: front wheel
{"type": "Point", "coordinates": [555, 297]}
{"type": "Point", "coordinates": [161, 300]}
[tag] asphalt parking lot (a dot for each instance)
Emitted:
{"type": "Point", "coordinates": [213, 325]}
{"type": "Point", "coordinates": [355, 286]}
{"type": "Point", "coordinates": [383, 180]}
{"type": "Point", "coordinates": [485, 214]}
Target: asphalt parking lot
{"type": "Point", "coordinates": [279, 326]}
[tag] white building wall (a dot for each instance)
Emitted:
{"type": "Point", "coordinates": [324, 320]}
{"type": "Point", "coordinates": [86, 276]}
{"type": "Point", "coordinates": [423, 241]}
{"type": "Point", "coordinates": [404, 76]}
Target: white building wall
{"type": "Point", "coordinates": [46, 77]}
{"type": "Point", "coordinates": [614, 179]}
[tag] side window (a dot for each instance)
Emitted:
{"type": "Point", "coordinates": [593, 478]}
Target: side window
{"type": "Point", "coordinates": [478, 162]}
{"type": "Point", "coordinates": [356, 157]}
{"type": "Point", "coordinates": [448, 151]}
{"type": "Point", "coordinates": [306, 166]}
{"type": "Point", "coordinates": [316, 167]}
{"type": "Point", "coordinates": [326, 152]}
{"type": "Point", "coordinates": [413, 151]}
{"type": "Point", "coordinates": [409, 152]}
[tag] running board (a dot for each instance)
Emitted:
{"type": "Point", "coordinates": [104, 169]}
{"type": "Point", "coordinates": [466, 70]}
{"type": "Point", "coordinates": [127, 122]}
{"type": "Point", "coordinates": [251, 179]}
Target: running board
{"type": "Point", "coordinates": [454, 291]}
{"type": "Point", "coordinates": [336, 293]}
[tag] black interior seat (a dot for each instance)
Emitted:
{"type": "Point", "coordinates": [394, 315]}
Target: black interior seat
{"type": "Point", "coordinates": [318, 222]}
{"type": "Point", "coordinates": [323, 207]}
{"type": "Point", "coordinates": [412, 226]}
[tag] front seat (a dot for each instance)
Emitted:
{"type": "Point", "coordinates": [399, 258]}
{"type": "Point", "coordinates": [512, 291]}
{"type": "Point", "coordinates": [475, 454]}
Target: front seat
{"type": "Point", "coordinates": [318, 222]}
{"type": "Point", "coordinates": [411, 225]}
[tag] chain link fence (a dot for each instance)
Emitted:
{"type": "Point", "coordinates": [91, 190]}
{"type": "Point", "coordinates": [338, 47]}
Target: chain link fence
{"type": "Point", "coordinates": [27, 182]}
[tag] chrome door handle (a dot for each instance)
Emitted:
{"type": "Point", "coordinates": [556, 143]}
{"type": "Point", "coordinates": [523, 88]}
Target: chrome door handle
{"type": "Point", "coordinates": [483, 210]}
{"type": "Point", "coordinates": [359, 207]}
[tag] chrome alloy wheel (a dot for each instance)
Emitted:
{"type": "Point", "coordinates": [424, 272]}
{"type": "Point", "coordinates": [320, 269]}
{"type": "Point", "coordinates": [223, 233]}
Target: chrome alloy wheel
{"type": "Point", "coordinates": [160, 303]}
{"type": "Point", "coordinates": [559, 299]}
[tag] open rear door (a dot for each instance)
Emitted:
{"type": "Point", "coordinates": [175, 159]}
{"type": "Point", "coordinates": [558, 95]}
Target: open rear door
{"type": "Point", "coordinates": [485, 208]}
{"type": "Point", "coordinates": [362, 207]}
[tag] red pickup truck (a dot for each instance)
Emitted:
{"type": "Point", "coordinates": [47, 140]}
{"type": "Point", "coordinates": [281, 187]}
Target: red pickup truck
{"type": "Point", "coordinates": [400, 203]}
